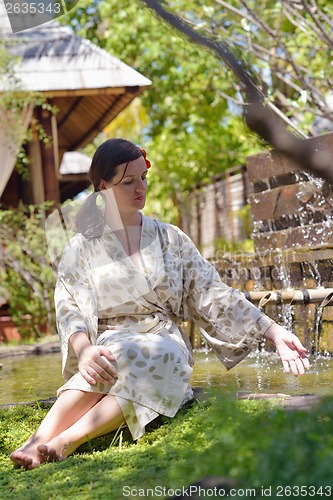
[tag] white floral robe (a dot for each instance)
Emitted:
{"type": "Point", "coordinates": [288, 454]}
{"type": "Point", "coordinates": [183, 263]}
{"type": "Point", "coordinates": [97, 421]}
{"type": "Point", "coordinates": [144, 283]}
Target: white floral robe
{"type": "Point", "coordinates": [135, 312]}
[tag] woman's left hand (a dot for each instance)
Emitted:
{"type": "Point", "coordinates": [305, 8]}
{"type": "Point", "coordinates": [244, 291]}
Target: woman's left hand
{"type": "Point", "coordinates": [290, 349]}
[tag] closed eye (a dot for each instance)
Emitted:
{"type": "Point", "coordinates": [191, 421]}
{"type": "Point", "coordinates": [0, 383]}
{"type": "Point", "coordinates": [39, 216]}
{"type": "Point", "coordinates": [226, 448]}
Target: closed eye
{"type": "Point", "coordinates": [129, 180]}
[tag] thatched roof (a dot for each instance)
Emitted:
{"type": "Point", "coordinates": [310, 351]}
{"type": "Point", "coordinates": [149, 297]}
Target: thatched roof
{"type": "Point", "coordinates": [88, 85]}
{"type": "Point", "coordinates": [55, 59]}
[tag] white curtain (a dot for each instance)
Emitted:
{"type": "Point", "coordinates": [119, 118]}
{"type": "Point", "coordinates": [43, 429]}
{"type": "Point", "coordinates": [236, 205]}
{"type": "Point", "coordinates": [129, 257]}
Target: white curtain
{"type": "Point", "coordinates": [10, 142]}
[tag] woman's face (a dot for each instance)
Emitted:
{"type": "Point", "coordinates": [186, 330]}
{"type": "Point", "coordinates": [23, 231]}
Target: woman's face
{"type": "Point", "coordinates": [129, 191]}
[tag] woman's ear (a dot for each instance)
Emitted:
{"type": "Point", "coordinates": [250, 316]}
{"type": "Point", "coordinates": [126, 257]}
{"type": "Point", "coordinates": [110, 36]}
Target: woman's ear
{"type": "Point", "coordinates": [102, 185]}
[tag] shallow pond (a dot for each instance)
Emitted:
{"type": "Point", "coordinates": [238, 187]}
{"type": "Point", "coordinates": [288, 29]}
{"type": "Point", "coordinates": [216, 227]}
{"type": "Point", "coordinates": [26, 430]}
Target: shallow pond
{"type": "Point", "coordinates": [263, 373]}
{"type": "Point", "coordinates": [33, 377]}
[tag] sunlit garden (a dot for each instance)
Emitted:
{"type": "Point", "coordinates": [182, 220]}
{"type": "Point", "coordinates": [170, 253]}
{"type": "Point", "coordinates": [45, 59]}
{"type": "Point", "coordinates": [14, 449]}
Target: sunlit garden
{"type": "Point", "coordinates": [230, 106]}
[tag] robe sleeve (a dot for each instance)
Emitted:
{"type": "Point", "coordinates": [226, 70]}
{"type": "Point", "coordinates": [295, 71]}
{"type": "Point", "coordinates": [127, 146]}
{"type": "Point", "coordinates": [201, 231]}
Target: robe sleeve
{"type": "Point", "coordinates": [75, 301]}
{"type": "Point", "coordinates": [228, 322]}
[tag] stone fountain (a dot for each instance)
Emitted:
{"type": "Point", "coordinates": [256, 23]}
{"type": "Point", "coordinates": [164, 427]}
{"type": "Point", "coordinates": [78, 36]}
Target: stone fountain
{"type": "Point", "coordinates": [290, 275]}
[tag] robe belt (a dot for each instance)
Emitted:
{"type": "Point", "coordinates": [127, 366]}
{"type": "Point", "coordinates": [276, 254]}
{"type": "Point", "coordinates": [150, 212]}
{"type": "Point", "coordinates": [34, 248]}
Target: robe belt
{"type": "Point", "coordinates": [150, 323]}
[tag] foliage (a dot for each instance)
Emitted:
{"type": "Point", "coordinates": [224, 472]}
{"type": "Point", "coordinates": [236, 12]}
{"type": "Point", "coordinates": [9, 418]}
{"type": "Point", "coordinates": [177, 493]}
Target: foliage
{"type": "Point", "coordinates": [131, 123]}
{"type": "Point", "coordinates": [14, 102]}
{"type": "Point", "coordinates": [194, 103]}
{"type": "Point", "coordinates": [285, 46]}
{"type": "Point", "coordinates": [246, 246]}
{"type": "Point", "coordinates": [191, 131]}
{"type": "Point", "coordinates": [27, 279]}
{"type": "Point", "coordinates": [255, 443]}
{"type": "Point", "coordinates": [27, 276]}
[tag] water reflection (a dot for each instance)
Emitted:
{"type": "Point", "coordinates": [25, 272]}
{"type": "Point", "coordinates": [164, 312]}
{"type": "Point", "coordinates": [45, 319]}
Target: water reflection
{"type": "Point", "coordinates": [262, 372]}
{"type": "Point", "coordinates": [24, 379]}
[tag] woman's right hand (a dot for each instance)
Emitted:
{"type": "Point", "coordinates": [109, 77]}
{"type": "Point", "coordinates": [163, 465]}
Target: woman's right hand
{"type": "Point", "coordinates": [94, 362]}
{"type": "Point", "coordinates": [95, 365]}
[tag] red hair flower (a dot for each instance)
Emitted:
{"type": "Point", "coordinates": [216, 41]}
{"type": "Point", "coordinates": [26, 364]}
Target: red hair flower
{"type": "Point", "coordinates": [144, 154]}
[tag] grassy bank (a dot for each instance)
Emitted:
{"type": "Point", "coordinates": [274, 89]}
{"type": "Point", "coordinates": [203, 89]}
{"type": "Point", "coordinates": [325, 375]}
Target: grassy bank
{"type": "Point", "coordinates": [256, 443]}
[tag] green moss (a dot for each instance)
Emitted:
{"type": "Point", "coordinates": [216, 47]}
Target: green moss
{"type": "Point", "coordinates": [257, 443]}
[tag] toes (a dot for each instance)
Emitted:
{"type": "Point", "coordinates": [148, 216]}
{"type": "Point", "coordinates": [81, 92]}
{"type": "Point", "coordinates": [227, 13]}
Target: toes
{"type": "Point", "coordinates": [16, 460]}
{"type": "Point", "coordinates": [33, 465]}
{"type": "Point", "coordinates": [49, 454]}
{"type": "Point", "coordinates": [22, 460]}
{"type": "Point", "coordinates": [56, 455]}
{"type": "Point", "coordinates": [42, 449]}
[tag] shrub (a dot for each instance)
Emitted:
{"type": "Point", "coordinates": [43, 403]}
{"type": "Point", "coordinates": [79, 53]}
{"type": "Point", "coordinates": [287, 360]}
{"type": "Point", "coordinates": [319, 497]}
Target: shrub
{"type": "Point", "coordinates": [27, 276]}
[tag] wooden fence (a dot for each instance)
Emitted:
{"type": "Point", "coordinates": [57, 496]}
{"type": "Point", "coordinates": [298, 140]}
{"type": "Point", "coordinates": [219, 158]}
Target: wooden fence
{"type": "Point", "coordinates": [211, 214]}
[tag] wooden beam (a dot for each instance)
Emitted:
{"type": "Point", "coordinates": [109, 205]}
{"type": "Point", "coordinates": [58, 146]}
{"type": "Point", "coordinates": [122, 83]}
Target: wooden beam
{"type": "Point", "coordinates": [69, 111]}
{"type": "Point", "coordinates": [85, 92]}
{"type": "Point", "coordinates": [51, 185]}
{"type": "Point", "coordinates": [98, 126]}
{"type": "Point", "coordinates": [36, 171]}
{"type": "Point", "coordinates": [63, 178]}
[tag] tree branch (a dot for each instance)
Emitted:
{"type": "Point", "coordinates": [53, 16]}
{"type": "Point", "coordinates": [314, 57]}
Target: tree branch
{"type": "Point", "coordinates": [258, 117]}
{"type": "Point", "coordinates": [263, 122]}
{"type": "Point", "coordinates": [223, 51]}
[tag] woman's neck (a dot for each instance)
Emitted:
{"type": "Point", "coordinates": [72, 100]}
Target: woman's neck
{"type": "Point", "coordinates": [132, 219]}
{"type": "Point", "coordinates": [125, 220]}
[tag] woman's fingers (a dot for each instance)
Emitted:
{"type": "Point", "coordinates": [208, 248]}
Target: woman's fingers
{"type": "Point", "coordinates": [298, 344]}
{"type": "Point", "coordinates": [305, 361]}
{"type": "Point", "coordinates": [99, 369]}
{"type": "Point", "coordinates": [291, 366]}
{"type": "Point", "coordinates": [97, 374]}
{"type": "Point", "coordinates": [286, 366]}
{"type": "Point", "coordinates": [88, 377]}
{"type": "Point", "coordinates": [103, 372]}
{"type": "Point", "coordinates": [104, 351]}
{"type": "Point", "coordinates": [299, 366]}
{"type": "Point", "coordinates": [296, 366]}
{"type": "Point", "coordinates": [105, 361]}
{"type": "Point", "coordinates": [108, 370]}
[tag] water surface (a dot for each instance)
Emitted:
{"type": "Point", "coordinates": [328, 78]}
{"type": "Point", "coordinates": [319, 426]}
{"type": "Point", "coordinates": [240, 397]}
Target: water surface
{"type": "Point", "coordinates": [263, 373]}
{"type": "Point", "coordinates": [26, 378]}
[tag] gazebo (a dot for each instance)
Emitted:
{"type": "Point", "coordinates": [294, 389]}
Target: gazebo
{"type": "Point", "coordinates": [87, 85]}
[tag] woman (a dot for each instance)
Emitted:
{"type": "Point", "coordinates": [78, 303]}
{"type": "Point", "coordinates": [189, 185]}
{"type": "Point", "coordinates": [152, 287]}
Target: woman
{"type": "Point", "coordinates": [125, 281]}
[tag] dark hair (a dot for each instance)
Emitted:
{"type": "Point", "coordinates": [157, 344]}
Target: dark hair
{"type": "Point", "coordinates": [107, 158]}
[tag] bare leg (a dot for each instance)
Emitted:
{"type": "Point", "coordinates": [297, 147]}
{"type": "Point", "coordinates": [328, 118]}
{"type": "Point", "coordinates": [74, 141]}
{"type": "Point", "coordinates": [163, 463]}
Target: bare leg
{"type": "Point", "coordinates": [68, 408]}
{"type": "Point", "coordinates": [102, 418]}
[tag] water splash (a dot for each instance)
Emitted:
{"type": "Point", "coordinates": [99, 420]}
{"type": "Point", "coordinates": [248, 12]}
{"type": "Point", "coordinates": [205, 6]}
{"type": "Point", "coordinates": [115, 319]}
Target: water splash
{"type": "Point", "coordinates": [314, 272]}
{"type": "Point", "coordinates": [317, 328]}
{"type": "Point", "coordinates": [282, 270]}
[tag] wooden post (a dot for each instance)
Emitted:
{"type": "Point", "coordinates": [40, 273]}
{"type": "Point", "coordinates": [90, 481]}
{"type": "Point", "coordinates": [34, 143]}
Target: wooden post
{"type": "Point", "coordinates": [49, 167]}
{"type": "Point", "coordinates": [36, 172]}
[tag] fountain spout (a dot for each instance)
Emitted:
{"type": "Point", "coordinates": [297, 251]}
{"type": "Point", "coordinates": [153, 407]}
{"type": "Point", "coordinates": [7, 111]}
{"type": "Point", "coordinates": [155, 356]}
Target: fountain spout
{"type": "Point", "coordinates": [302, 296]}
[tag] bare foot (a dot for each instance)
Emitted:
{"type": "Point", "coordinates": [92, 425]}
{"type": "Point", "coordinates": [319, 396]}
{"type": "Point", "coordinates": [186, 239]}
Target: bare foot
{"type": "Point", "coordinates": [27, 456]}
{"type": "Point", "coordinates": [49, 454]}
{"type": "Point", "coordinates": [55, 450]}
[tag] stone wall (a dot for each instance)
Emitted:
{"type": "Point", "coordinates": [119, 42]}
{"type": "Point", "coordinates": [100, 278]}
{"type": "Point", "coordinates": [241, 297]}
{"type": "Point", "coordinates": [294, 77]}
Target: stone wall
{"type": "Point", "coordinates": [290, 208]}
{"type": "Point", "coordinates": [292, 215]}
